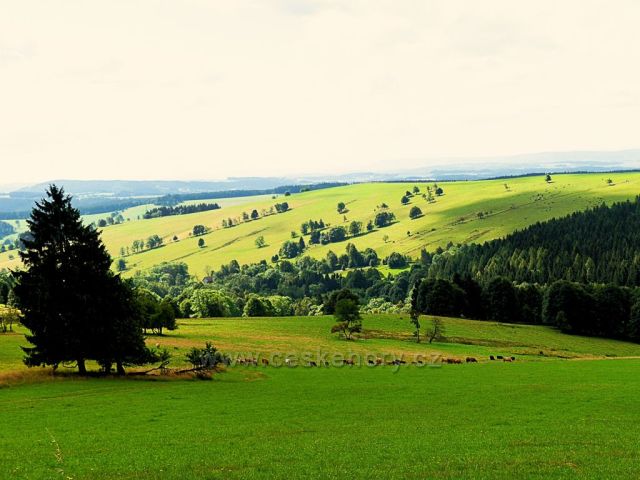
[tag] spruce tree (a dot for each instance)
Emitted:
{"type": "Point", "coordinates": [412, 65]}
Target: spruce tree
{"type": "Point", "coordinates": [75, 308]}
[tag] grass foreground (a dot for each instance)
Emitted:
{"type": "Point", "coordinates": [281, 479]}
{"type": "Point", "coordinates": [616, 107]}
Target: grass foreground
{"type": "Point", "coordinates": [569, 413]}
{"type": "Point", "coordinates": [528, 420]}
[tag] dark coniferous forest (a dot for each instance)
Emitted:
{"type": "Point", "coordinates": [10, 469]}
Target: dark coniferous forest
{"type": "Point", "coordinates": [599, 245]}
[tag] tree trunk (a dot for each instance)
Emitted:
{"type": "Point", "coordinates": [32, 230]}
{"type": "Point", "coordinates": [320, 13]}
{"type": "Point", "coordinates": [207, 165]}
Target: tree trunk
{"type": "Point", "coordinates": [120, 368]}
{"type": "Point", "coordinates": [82, 368]}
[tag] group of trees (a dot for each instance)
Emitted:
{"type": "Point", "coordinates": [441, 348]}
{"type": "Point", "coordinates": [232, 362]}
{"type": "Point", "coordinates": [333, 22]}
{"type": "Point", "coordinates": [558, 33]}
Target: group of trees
{"type": "Point", "coordinates": [9, 316]}
{"type": "Point", "coordinates": [115, 218]}
{"type": "Point", "coordinates": [497, 300]}
{"type": "Point", "coordinates": [281, 207]}
{"type": "Point", "coordinates": [165, 211]}
{"type": "Point", "coordinates": [291, 248]}
{"type": "Point", "coordinates": [587, 309]}
{"type": "Point", "coordinates": [301, 286]}
{"type": "Point", "coordinates": [9, 313]}
{"type": "Point", "coordinates": [311, 226]}
{"type": "Point", "coordinates": [597, 310]}
{"type": "Point", "coordinates": [353, 229]}
{"type": "Point", "coordinates": [384, 219]}
{"type": "Point", "coordinates": [154, 241]}
{"type": "Point", "coordinates": [254, 215]}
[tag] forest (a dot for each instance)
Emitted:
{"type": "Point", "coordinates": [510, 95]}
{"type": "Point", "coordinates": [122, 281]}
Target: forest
{"type": "Point", "coordinates": [599, 245]}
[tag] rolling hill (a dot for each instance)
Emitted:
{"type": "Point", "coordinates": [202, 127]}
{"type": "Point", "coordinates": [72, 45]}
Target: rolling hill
{"type": "Point", "coordinates": [468, 211]}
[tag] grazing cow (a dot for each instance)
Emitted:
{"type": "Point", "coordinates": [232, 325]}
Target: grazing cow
{"type": "Point", "coordinates": [265, 362]}
{"type": "Point", "coordinates": [287, 362]}
{"type": "Point", "coordinates": [507, 359]}
{"type": "Point", "coordinates": [347, 361]}
{"type": "Point", "coordinates": [378, 361]}
{"type": "Point", "coordinates": [499, 357]}
{"type": "Point", "coordinates": [471, 360]}
{"type": "Point", "coordinates": [491, 357]}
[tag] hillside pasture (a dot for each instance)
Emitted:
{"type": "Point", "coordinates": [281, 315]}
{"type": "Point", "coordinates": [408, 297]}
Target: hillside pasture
{"type": "Point", "coordinates": [472, 211]}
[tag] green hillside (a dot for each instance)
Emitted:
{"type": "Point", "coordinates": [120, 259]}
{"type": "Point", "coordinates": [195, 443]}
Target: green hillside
{"type": "Point", "coordinates": [506, 205]}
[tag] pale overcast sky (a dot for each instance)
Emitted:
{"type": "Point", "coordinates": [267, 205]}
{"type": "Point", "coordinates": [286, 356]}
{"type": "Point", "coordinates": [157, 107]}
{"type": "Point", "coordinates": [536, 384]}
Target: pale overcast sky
{"type": "Point", "coordinates": [204, 89]}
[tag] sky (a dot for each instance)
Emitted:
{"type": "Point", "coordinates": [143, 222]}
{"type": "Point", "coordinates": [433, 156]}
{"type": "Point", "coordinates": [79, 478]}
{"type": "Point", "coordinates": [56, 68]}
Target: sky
{"type": "Point", "coordinates": [205, 89]}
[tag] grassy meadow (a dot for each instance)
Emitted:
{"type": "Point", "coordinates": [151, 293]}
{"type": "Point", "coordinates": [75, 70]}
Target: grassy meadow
{"type": "Point", "coordinates": [539, 417]}
{"type": "Point", "coordinates": [453, 217]}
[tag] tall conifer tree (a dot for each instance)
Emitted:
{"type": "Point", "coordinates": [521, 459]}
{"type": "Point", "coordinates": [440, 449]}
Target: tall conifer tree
{"type": "Point", "coordinates": [74, 306]}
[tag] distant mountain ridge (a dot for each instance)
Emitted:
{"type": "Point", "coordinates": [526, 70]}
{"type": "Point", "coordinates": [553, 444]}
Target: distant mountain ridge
{"type": "Point", "coordinates": [100, 194]}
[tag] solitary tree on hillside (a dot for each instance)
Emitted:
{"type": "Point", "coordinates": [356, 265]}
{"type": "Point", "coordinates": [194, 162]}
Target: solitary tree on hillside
{"type": "Point", "coordinates": [436, 332]}
{"type": "Point", "coordinates": [414, 318]}
{"type": "Point", "coordinates": [341, 207]}
{"type": "Point", "coordinates": [404, 200]}
{"type": "Point", "coordinates": [547, 178]}
{"type": "Point", "coordinates": [260, 242]}
{"type": "Point", "coordinates": [75, 308]}
{"type": "Point", "coordinates": [201, 242]}
{"type": "Point", "coordinates": [415, 212]}
{"type": "Point", "coordinates": [347, 314]}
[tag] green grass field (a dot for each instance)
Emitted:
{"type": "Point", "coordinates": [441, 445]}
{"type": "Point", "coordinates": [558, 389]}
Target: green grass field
{"type": "Point", "coordinates": [452, 218]}
{"type": "Point", "coordinates": [528, 420]}
{"type": "Point", "coordinates": [539, 417]}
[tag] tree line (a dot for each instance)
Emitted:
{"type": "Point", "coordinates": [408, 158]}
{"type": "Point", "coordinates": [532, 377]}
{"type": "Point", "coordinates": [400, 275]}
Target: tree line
{"type": "Point", "coordinates": [166, 211]}
{"type": "Point", "coordinates": [602, 310]}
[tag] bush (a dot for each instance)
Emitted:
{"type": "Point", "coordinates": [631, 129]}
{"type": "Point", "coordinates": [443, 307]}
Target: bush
{"type": "Point", "coordinates": [397, 260]}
